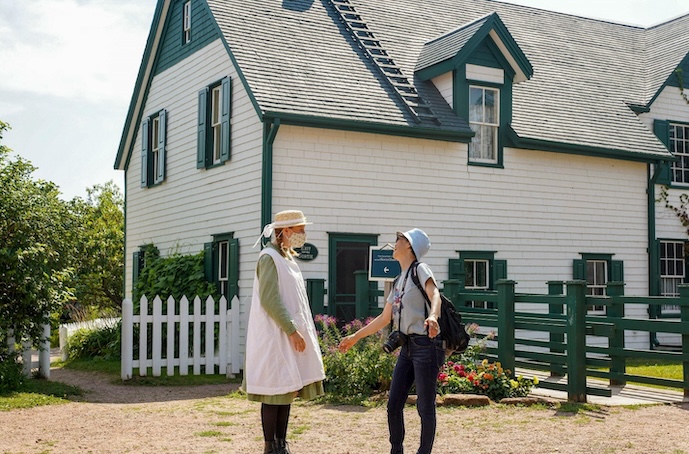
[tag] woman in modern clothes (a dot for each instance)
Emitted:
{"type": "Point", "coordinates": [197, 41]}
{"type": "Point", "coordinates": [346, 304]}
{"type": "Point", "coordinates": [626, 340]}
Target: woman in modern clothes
{"type": "Point", "coordinates": [283, 358]}
{"type": "Point", "coordinates": [422, 353]}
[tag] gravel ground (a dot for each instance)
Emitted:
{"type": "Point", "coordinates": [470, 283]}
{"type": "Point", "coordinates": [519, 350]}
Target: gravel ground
{"type": "Point", "coordinates": [112, 418]}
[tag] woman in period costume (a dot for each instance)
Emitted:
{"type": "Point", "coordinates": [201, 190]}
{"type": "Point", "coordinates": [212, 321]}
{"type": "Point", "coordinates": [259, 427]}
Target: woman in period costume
{"type": "Point", "coordinates": [283, 357]}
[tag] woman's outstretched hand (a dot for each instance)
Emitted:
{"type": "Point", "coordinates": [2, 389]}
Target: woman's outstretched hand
{"type": "Point", "coordinates": [297, 341]}
{"type": "Point", "coordinates": [347, 343]}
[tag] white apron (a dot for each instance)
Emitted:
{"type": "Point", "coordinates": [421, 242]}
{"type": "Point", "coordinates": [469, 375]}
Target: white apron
{"type": "Point", "coordinates": [273, 367]}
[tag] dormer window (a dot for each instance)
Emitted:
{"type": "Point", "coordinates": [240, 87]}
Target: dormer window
{"type": "Point", "coordinates": [186, 23]}
{"type": "Point", "coordinates": [484, 119]}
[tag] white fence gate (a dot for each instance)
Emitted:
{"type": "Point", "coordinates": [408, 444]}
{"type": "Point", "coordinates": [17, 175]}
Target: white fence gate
{"type": "Point", "coordinates": [27, 353]}
{"type": "Point", "coordinates": [222, 350]}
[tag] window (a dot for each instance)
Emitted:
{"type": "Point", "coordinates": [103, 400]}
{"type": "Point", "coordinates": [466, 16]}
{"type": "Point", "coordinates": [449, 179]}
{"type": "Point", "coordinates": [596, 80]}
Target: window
{"type": "Point", "coordinates": [478, 271]}
{"type": "Point", "coordinates": [221, 264]}
{"type": "Point", "coordinates": [153, 149]}
{"type": "Point", "coordinates": [672, 263]}
{"type": "Point", "coordinates": [186, 23]}
{"type": "Point", "coordinates": [476, 277]}
{"type": "Point", "coordinates": [679, 146]}
{"type": "Point", "coordinates": [596, 281]}
{"type": "Point", "coordinates": [484, 119]}
{"type": "Point", "coordinates": [597, 270]}
{"type": "Point", "coordinates": [214, 124]}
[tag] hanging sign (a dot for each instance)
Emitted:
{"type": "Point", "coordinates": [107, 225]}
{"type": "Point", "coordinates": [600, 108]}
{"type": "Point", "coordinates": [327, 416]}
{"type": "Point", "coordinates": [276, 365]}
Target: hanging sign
{"type": "Point", "coordinates": [307, 252]}
{"type": "Point", "coordinates": [382, 267]}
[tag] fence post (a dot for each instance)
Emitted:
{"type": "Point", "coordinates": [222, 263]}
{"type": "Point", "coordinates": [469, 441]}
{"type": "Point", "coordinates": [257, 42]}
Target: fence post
{"type": "Point", "coordinates": [556, 288]}
{"type": "Point", "coordinates": [44, 353]}
{"type": "Point", "coordinates": [576, 341]}
{"type": "Point", "coordinates": [127, 342]}
{"type": "Point", "coordinates": [684, 316]}
{"type": "Point", "coordinates": [315, 289]}
{"type": "Point", "coordinates": [506, 323]}
{"type": "Point", "coordinates": [616, 311]}
{"type": "Point", "coordinates": [362, 294]}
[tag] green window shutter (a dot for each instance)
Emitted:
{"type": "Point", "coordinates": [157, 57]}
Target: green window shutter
{"type": "Point", "coordinates": [661, 128]}
{"type": "Point", "coordinates": [136, 268]}
{"type": "Point", "coordinates": [499, 270]}
{"type": "Point", "coordinates": [201, 145]}
{"type": "Point", "coordinates": [579, 272]}
{"type": "Point", "coordinates": [233, 277]}
{"type": "Point", "coordinates": [208, 262]}
{"type": "Point", "coordinates": [144, 152]}
{"type": "Point", "coordinates": [455, 268]}
{"type": "Point", "coordinates": [160, 171]}
{"type": "Point", "coordinates": [616, 271]}
{"type": "Point", "coordinates": [225, 119]}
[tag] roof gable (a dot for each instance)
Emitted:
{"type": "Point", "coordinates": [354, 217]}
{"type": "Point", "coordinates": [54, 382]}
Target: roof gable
{"type": "Point", "coordinates": [456, 47]}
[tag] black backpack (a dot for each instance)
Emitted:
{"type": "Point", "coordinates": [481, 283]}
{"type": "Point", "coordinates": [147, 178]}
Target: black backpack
{"type": "Point", "coordinates": [452, 329]}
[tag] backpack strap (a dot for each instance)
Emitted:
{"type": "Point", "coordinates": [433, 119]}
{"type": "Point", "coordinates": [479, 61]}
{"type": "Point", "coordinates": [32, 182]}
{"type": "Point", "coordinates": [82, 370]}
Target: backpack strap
{"type": "Point", "coordinates": [415, 278]}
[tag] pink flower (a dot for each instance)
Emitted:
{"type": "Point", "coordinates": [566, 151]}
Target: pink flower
{"type": "Point", "coordinates": [442, 377]}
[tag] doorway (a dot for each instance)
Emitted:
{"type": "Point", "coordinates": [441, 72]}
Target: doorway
{"type": "Point", "coordinates": [348, 253]}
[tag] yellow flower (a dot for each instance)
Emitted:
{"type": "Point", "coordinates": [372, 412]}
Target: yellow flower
{"type": "Point", "coordinates": [484, 362]}
{"type": "Point", "coordinates": [535, 380]}
{"type": "Point", "coordinates": [514, 384]}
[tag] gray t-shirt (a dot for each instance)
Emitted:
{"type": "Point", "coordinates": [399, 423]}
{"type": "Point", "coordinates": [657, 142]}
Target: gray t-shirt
{"type": "Point", "coordinates": [412, 301]}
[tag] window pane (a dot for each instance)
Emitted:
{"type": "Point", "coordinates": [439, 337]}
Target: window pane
{"type": "Point", "coordinates": [491, 106]}
{"type": "Point", "coordinates": [475, 104]}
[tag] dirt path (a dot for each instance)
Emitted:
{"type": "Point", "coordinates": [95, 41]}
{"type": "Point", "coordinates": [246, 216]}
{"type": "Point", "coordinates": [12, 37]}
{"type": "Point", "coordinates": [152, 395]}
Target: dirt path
{"type": "Point", "coordinates": [112, 418]}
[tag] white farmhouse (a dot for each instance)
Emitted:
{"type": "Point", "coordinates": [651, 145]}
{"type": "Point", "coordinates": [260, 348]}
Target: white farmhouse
{"type": "Point", "coordinates": [528, 144]}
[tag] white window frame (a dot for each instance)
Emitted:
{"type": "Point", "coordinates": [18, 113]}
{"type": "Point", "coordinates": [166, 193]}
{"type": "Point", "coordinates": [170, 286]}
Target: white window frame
{"type": "Point", "coordinates": [223, 266]}
{"type": "Point", "coordinates": [481, 125]}
{"type": "Point", "coordinates": [155, 150]}
{"type": "Point", "coordinates": [474, 285]}
{"type": "Point", "coordinates": [186, 22]}
{"type": "Point", "coordinates": [679, 146]}
{"type": "Point", "coordinates": [596, 283]}
{"type": "Point", "coordinates": [672, 263]}
{"type": "Point", "coordinates": [216, 123]}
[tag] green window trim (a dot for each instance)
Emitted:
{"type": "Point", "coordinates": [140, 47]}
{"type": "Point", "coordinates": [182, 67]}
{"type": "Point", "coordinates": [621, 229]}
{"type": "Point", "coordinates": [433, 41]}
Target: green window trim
{"type": "Point", "coordinates": [497, 268]}
{"type": "Point", "coordinates": [661, 129]}
{"type": "Point", "coordinates": [152, 169]}
{"type": "Point", "coordinates": [205, 151]}
{"type": "Point", "coordinates": [615, 267]}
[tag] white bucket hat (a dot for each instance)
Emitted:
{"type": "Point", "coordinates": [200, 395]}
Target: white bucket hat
{"type": "Point", "coordinates": [283, 219]}
{"type": "Point", "coordinates": [420, 244]}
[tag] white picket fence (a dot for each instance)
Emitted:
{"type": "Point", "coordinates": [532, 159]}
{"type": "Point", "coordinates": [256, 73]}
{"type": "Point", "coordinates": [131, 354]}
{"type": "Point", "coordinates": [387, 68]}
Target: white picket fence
{"type": "Point", "coordinates": [27, 353]}
{"type": "Point", "coordinates": [67, 329]}
{"type": "Point", "coordinates": [222, 350]}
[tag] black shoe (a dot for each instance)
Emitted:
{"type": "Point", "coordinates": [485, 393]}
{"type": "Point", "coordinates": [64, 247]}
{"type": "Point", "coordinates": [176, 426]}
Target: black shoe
{"type": "Point", "coordinates": [281, 445]}
{"type": "Point", "coordinates": [271, 448]}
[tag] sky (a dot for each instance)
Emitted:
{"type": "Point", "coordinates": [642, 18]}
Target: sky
{"type": "Point", "coordinates": [68, 68]}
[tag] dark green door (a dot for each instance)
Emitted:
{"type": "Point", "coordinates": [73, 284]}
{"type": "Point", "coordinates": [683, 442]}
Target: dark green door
{"type": "Point", "coordinates": [348, 253]}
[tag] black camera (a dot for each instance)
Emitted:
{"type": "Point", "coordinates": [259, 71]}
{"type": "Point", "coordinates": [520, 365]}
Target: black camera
{"type": "Point", "coordinates": [393, 342]}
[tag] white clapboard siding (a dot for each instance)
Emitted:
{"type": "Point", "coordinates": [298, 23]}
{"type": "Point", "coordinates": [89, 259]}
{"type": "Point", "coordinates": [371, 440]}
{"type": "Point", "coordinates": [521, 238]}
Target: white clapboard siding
{"type": "Point", "coordinates": [223, 350]}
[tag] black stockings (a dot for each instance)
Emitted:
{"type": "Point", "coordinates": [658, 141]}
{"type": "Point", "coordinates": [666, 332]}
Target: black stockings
{"type": "Point", "coordinates": [274, 419]}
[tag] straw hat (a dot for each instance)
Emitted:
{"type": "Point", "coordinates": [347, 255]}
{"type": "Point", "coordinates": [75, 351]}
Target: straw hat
{"type": "Point", "coordinates": [283, 219]}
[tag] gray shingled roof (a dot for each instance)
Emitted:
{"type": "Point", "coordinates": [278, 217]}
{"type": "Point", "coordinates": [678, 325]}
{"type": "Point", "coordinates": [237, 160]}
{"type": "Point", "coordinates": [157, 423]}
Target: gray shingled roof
{"type": "Point", "coordinates": [297, 59]}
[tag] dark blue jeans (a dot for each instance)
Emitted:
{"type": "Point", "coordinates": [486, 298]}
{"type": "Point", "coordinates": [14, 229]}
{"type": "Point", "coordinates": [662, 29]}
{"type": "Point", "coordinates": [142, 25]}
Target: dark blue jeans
{"type": "Point", "coordinates": [419, 362]}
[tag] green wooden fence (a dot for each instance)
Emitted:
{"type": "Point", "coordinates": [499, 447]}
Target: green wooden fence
{"type": "Point", "coordinates": [549, 332]}
{"type": "Point", "coordinates": [555, 338]}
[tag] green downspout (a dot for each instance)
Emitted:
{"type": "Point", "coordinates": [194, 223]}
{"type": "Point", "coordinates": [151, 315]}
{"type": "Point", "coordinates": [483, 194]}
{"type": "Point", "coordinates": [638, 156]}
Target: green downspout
{"type": "Point", "coordinates": [653, 259]}
{"type": "Point", "coordinates": [270, 130]}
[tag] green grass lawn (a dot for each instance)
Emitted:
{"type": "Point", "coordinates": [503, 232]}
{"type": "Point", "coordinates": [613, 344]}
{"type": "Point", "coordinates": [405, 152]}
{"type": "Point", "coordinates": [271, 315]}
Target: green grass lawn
{"type": "Point", "coordinates": [36, 392]}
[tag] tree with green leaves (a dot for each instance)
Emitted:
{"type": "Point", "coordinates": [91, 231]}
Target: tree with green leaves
{"type": "Point", "coordinates": [36, 244]}
{"type": "Point", "coordinates": [99, 260]}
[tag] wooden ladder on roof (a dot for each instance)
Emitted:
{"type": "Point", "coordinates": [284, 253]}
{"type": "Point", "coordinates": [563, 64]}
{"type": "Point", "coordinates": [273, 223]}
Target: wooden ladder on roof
{"type": "Point", "coordinates": [372, 48]}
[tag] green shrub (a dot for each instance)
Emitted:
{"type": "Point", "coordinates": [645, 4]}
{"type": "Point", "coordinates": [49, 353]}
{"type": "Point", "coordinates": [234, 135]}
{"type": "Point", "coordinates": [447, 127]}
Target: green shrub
{"type": "Point", "coordinates": [103, 343]}
{"type": "Point", "coordinates": [11, 376]}
{"type": "Point", "coordinates": [354, 376]}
